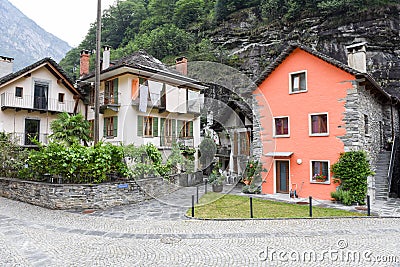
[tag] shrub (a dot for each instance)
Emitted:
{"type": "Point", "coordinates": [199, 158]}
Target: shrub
{"type": "Point", "coordinates": [352, 169]}
{"type": "Point", "coordinates": [76, 163]}
{"type": "Point", "coordinates": [12, 156]}
{"type": "Point", "coordinates": [207, 150]}
{"type": "Point", "coordinates": [342, 196]}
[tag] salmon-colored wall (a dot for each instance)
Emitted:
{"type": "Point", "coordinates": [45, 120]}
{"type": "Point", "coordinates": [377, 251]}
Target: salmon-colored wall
{"type": "Point", "coordinates": [326, 91]}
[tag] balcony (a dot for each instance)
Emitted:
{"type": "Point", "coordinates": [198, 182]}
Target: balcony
{"type": "Point", "coordinates": [108, 102]}
{"type": "Point", "coordinates": [153, 101]}
{"type": "Point", "coordinates": [34, 103]}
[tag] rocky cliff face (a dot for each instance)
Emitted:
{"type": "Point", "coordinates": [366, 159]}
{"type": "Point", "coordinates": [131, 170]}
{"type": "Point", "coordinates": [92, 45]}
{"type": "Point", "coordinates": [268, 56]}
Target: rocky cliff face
{"type": "Point", "coordinates": [256, 45]}
{"type": "Point", "coordinates": [22, 39]}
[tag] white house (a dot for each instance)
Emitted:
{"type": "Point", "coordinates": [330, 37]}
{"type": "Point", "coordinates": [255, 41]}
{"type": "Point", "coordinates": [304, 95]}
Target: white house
{"type": "Point", "coordinates": [31, 98]}
{"type": "Point", "coordinates": [142, 101]}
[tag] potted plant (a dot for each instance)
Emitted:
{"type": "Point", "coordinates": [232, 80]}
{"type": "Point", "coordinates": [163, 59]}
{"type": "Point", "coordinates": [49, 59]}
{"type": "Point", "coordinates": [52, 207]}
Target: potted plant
{"type": "Point", "coordinates": [216, 179]}
{"type": "Point", "coordinates": [319, 177]}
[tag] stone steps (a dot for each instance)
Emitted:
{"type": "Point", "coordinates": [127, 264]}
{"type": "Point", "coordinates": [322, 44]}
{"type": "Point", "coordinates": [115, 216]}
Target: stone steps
{"type": "Point", "coordinates": [381, 183]}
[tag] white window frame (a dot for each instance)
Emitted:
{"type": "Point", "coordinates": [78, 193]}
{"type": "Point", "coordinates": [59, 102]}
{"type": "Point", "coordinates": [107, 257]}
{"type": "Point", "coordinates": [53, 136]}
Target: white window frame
{"type": "Point", "coordinates": [274, 127]}
{"type": "Point", "coordinates": [328, 181]}
{"type": "Point", "coordinates": [290, 82]}
{"type": "Point", "coordinates": [310, 125]}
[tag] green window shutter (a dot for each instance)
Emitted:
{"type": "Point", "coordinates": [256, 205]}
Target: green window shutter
{"type": "Point", "coordinates": [162, 126]}
{"type": "Point", "coordinates": [115, 85]}
{"type": "Point", "coordinates": [180, 125]}
{"type": "Point", "coordinates": [115, 121]}
{"type": "Point", "coordinates": [155, 126]}
{"type": "Point", "coordinates": [140, 126]}
{"type": "Point", "coordinates": [191, 128]}
{"type": "Point", "coordinates": [105, 127]}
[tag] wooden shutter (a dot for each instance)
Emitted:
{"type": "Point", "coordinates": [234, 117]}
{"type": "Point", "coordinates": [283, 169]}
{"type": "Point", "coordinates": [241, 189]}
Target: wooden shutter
{"type": "Point", "coordinates": [162, 127]}
{"type": "Point", "coordinates": [139, 125]}
{"type": "Point", "coordinates": [155, 126]}
{"type": "Point", "coordinates": [115, 86]}
{"type": "Point", "coordinates": [115, 122]}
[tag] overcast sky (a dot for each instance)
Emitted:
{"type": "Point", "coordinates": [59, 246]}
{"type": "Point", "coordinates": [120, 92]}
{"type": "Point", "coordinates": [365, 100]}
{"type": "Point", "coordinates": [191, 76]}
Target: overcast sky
{"type": "Point", "coordinates": [68, 20]}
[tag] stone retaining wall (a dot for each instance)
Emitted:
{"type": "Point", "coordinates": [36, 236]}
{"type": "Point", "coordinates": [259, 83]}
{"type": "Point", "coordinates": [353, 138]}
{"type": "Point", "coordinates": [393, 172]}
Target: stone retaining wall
{"type": "Point", "coordinates": [84, 196]}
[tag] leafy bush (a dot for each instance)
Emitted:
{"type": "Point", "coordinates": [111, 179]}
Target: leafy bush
{"type": "Point", "coordinates": [342, 196]}
{"type": "Point", "coordinates": [207, 148]}
{"type": "Point", "coordinates": [147, 160]}
{"type": "Point", "coordinates": [70, 129]}
{"type": "Point", "coordinates": [76, 163]}
{"type": "Point", "coordinates": [352, 170]}
{"type": "Point", "coordinates": [13, 157]}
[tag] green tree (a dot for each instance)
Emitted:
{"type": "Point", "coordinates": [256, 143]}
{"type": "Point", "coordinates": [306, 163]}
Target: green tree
{"type": "Point", "coordinates": [188, 12]}
{"type": "Point", "coordinates": [164, 41]}
{"type": "Point", "coordinates": [12, 156]}
{"type": "Point", "coordinates": [70, 129]}
{"type": "Point", "coordinates": [353, 169]}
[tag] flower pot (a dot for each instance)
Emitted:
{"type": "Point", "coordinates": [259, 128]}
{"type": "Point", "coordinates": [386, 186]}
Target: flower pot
{"type": "Point", "coordinates": [217, 188]}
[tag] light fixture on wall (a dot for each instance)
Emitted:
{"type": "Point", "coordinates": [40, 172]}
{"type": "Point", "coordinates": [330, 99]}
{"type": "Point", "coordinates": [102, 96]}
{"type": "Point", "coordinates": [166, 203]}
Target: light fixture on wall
{"type": "Point", "coordinates": [299, 161]}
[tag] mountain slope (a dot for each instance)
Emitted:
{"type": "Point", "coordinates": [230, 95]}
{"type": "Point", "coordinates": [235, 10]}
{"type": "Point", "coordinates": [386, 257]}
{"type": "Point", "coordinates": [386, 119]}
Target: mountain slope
{"type": "Point", "coordinates": [22, 39]}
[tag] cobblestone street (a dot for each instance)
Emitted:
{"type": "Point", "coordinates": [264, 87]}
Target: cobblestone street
{"type": "Point", "coordinates": [33, 236]}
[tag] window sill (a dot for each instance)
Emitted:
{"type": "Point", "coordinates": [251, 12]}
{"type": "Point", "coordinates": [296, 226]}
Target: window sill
{"type": "Point", "coordinates": [297, 92]}
{"type": "Point", "coordinates": [281, 136]}
{"type": "Point", "coordinates": [315, 182]}
{"type": "Point", "coordinates": [317, 135]}
{"type": "Point", "coordinates": [110, 137]}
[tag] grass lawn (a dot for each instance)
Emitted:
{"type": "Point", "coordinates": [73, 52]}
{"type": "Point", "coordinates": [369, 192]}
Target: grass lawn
{"type": "Point", "coordinates": [218, 206]}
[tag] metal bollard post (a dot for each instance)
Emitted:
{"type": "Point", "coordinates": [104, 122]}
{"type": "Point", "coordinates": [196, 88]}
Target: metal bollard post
{"type": "Point", "coordinates": [368, 205]}
{"type": "Point", "coordinates": [310, 199]}
{"type": "Point", "coordinates": [192, 206]}
{"type": "Point", "coordinates": [205, 186]}
{"type": "Point", "coordinates": [197, 194]}
{"type": "Point", "coordinates": [251, 207]}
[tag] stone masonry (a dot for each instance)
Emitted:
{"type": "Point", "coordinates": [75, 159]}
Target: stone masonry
{"type": "Point", "coordinates": [84, 196]}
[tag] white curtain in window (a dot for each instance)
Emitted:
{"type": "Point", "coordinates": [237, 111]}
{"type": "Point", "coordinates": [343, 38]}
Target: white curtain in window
{"type": "Point", "coordinates": [144, 92]}
{"type": "Point", "coordinates": [296, 83]}
{"type": "Point", "coordinates": [155, 91]}
{"type": "Point", "coordinates": [172, 98]}
{"type": "Point", "coordinates": [182, 105]}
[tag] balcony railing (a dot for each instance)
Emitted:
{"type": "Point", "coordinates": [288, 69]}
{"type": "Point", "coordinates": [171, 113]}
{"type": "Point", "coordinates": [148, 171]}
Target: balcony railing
{"type": "Point", "coordinates": [153, 101]}
{"type": "Point", "coordinates": [27, 102]}
{"type": "Point", "coordinates": [26, 139]}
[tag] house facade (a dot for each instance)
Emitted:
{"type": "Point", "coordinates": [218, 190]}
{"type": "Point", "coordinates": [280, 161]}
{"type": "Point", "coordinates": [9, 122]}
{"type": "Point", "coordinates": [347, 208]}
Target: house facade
{"type": "Point", "coordinates": [31, 98]}
{"type": "Point", "coordinates": [312, 108]}
{"type": "Point", "coordinates": [142, 101]}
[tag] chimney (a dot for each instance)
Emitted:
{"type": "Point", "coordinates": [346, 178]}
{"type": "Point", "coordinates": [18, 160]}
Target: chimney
{"type": "Point", "coordinates": [181, 65]}
{"type": "Point", "coordinates": [6, 66]}
{"type": "Point", "coordinates": [84, 63]}
{"type": "Point", "coordinates": [106, 57]}
{"type": "Point", "coordinates": [357, 56]}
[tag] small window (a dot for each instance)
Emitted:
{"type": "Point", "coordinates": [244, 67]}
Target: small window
{"type": "Point", "coordinates": [298, 82]}
{"type": "Point", "coordinates": [111, 127]}
{"type": "Point", "coordinates": [147, 126]}
{"type": "Point", "coordinates": [320, 171]}
{"type": "Point", "coordinates": [61, 97]}
{"type": "Point", "coordinates": [366, 126]}
{"type": "Point", "coordinates": [319, 124]}
{"type": "Point", "coordinates": [185, 129]}
{"type": "Point", "coordinates": [281, 126]}
{"type": "Point", "coordinates": [19, 91]}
